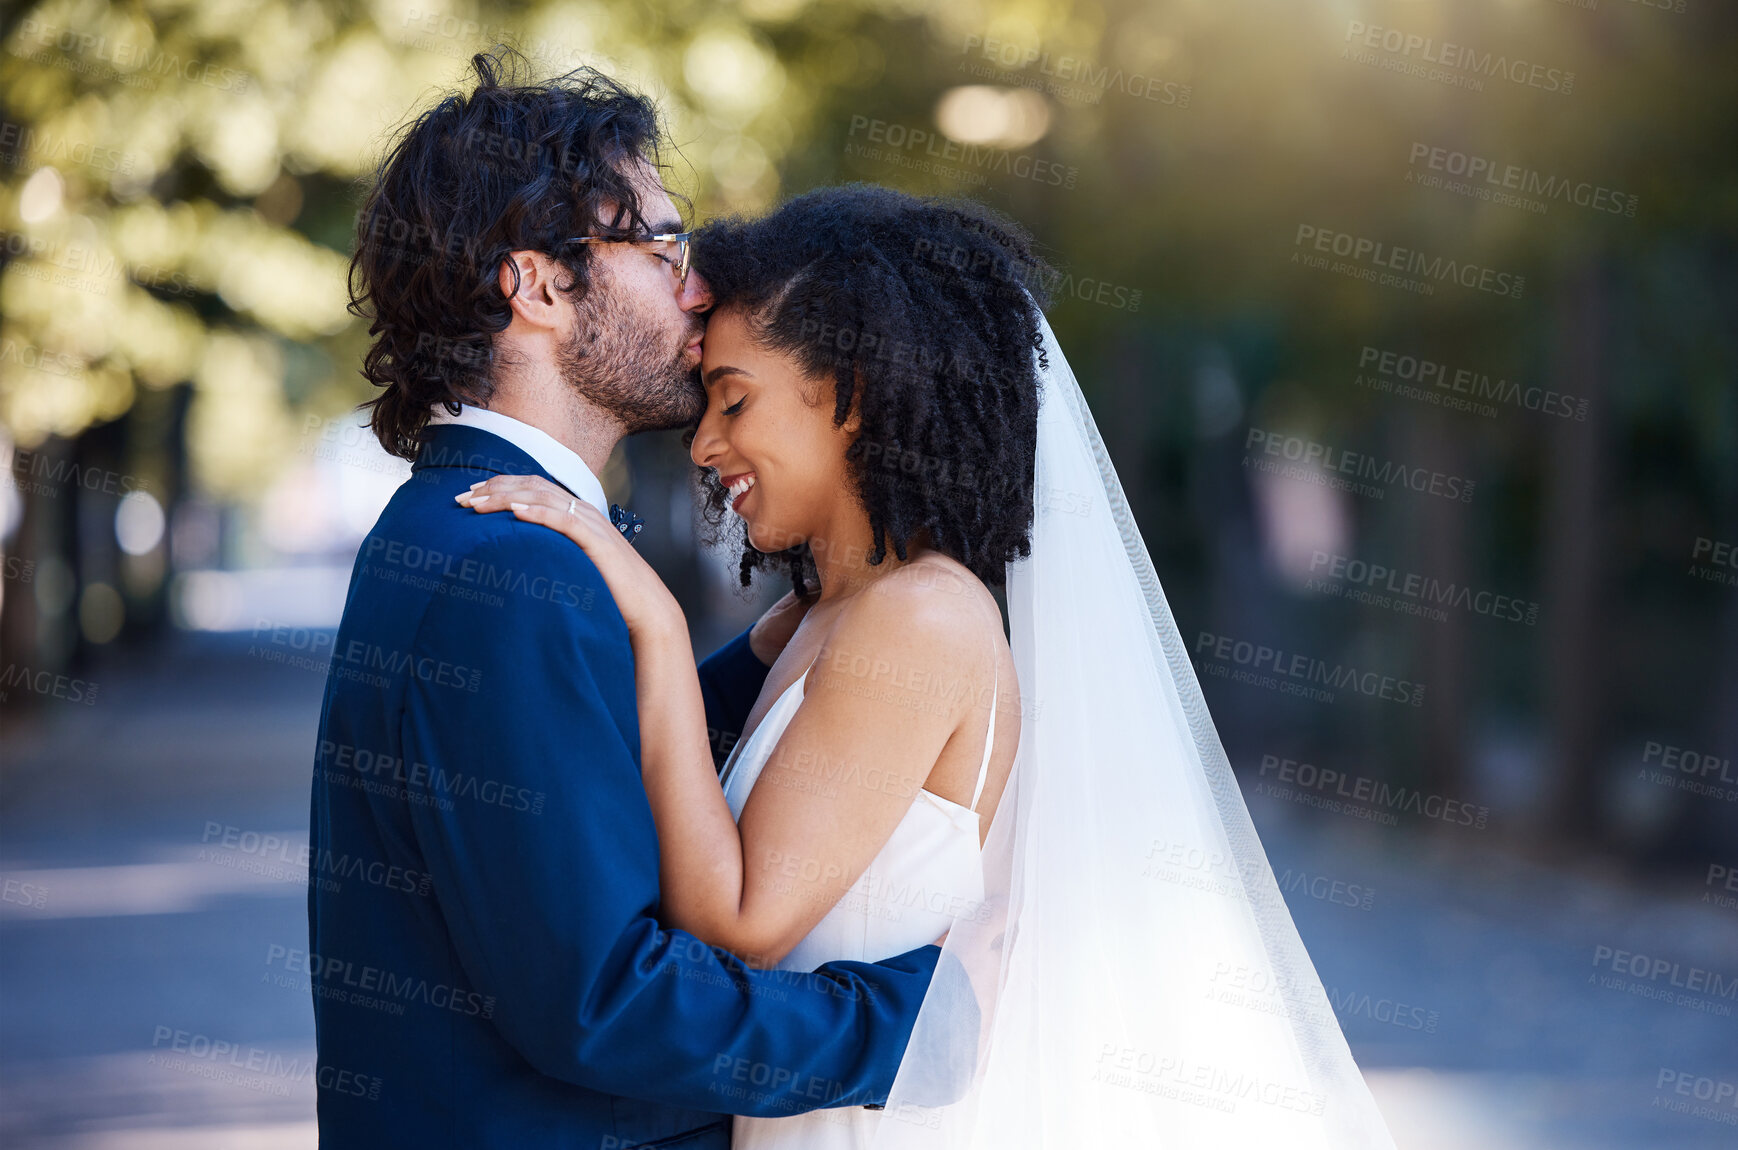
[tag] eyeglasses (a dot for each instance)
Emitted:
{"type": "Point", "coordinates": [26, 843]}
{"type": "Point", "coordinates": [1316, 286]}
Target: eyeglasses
{"type": "Point", "coordinates": [678, 263]}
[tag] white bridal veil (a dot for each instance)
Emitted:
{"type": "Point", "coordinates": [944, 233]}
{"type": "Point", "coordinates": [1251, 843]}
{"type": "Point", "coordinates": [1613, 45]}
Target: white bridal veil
{"type": "Point", "coordinates": [1134, 978]}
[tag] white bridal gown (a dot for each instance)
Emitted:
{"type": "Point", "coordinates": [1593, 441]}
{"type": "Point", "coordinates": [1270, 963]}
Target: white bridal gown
{"type": "Point", "coordinates": [928, 873]}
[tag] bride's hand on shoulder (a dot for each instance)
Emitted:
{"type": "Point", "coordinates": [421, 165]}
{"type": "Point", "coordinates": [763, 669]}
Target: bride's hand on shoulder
{"type": "Point", "coordinates": [645, 603]}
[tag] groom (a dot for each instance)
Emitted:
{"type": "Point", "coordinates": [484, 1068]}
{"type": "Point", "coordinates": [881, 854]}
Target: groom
{"type": "Point", "coordinates": [484, 955]}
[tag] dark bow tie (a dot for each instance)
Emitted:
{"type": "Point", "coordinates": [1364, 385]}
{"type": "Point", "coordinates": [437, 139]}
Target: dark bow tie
{"type": "Point", "coordinates": [626, 521]}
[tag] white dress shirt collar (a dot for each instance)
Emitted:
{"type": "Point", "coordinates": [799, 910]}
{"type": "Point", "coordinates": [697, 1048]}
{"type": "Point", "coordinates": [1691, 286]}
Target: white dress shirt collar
{"type": "Point", "coordinates": [562, 462]}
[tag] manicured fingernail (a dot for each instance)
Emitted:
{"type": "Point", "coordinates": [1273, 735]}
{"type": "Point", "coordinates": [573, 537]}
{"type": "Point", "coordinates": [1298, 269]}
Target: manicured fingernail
{"type": "Point", "coordinates": [478, 484]}
{"type": "Point", "coordinates": [463, 497]}
{"type": "Point", "coordinates": [476, 499]}
{"type": "Point", "coordinates": [517, 506]}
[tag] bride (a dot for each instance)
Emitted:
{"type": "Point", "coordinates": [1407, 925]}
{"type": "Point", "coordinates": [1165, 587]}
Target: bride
{"type": "Point", "coordinates": [891, 420]}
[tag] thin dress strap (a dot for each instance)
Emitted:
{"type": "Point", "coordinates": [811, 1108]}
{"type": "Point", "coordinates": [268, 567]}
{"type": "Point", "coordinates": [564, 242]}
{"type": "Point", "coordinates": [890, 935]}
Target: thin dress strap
{"type": "Point", "coordinates": [989, 739]}
{"type": "Point", "coordinates": [801, 686]}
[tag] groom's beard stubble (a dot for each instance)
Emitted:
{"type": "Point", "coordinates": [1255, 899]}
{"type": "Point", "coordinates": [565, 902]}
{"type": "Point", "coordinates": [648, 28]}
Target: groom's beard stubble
{"type": "Point", "coordinates": [622, 362]}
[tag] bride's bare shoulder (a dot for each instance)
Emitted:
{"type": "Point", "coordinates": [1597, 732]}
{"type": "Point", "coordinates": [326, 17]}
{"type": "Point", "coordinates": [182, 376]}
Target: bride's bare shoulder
{"type": "Point", "coordinates": [931, 612]}
{"type": "Point", "coordinates": [935, 587]}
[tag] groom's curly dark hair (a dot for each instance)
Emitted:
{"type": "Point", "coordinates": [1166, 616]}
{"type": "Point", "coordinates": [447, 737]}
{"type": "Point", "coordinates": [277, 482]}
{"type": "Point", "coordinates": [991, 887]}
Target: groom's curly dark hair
{"type": "Point", "coordinates": [514, 165]}
{"type": "Point", "coordinates": [924, 313]}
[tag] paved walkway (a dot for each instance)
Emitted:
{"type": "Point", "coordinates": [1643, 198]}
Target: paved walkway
{"type": "Point", "coordinates": [148, 845]}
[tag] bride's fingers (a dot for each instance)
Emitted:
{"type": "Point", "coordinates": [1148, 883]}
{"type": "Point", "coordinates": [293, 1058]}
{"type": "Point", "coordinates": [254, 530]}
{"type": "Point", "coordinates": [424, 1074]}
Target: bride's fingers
{"type": "Point", "coordinates": [539, 501]}
{"type": "Point", "coordinates": [533, 499]}
{"type": "Point", "coordinates": [494, 494]}
{"type": "Point", "coordinates": [585, 524]}
{"type": "Point", "coordinates": [497, 498]}
{"type": "Point", "coordinates": [500, 493]}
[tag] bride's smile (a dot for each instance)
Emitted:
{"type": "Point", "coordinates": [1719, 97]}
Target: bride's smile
{"type": "Point", "coordinates": [738, 486]}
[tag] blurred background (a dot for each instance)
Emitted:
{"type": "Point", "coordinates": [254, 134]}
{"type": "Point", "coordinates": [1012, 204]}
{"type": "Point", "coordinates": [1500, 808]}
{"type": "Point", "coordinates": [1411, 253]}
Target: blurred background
{"type": "Point", "coordinates": [1409, 324]}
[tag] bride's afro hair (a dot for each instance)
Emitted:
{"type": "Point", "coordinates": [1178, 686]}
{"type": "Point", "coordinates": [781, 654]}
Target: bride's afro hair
{"type": "Point", "coordinates": [924, 313]}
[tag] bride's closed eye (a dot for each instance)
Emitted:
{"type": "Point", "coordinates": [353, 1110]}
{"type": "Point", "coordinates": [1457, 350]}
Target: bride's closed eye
{"type": "Point", "coordinates": [735, 407]}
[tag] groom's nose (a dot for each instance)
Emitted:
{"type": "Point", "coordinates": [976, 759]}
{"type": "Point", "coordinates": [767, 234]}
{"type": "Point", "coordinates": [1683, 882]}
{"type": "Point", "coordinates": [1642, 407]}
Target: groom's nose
{"type": "Point", "coordinates": [696, 294]}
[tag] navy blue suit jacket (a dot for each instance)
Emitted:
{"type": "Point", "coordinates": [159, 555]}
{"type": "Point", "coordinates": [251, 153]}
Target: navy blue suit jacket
{"type": "Point", "coordinates": [484, 956]}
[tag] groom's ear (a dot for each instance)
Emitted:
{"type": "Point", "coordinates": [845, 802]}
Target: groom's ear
{"type": "Point", "coordinates": [528, 281]}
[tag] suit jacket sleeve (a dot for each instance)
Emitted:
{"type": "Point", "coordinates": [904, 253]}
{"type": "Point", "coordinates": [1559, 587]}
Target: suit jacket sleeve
{"type": "Point", "coordinates": [528, 809]}
{"type": "Point", "coordinates": [730, 681]}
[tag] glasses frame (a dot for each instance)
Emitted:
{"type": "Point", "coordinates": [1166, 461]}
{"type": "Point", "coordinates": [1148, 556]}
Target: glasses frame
{"type": "Point", "coordinates": [683, 240]}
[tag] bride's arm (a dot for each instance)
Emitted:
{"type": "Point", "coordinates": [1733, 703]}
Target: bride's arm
{"type": "Point", "coordinates": [699, 851]}
{"type": "Point", "coordinates": [731, 677]}
{"type": "Point", "coordinates": [879, 706]}
{"type": "Point", "coordinates": [894, 681]}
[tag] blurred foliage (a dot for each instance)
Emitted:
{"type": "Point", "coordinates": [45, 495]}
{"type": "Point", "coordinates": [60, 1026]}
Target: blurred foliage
{"type": "Point", "coordinates": [182, 173]}
{"type": "Point", "coordinates": [181, 178]}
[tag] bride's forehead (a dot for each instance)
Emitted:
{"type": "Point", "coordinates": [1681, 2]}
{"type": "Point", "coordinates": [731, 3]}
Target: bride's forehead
{"type": "Point", "coordinates": [726, 332]}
